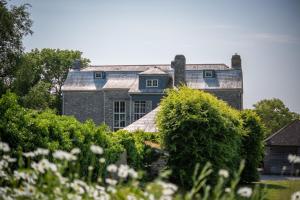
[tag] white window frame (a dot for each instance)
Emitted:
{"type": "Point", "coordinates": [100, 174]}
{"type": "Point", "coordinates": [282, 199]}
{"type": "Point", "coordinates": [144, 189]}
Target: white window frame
{"type": "Point", "coordinates": [119, 113]}
{"type": "Point", "coordinates": [210, 72]}
{"type": "Point", "coordinates": [150, 82]}
{"type": "Point", "coordinates": [98, 73]}
{"type": "Point", "coordinates": [139, 109]}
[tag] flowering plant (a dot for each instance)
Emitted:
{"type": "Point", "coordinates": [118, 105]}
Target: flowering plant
{"type": "Point", "coordinates": [45, 175]}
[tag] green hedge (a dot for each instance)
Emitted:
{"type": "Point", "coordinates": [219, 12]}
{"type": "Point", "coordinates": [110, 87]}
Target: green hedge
{"type": "Point", "coordinates": [252, 145]}
{"type": "Point", "coordinates": [26, 130]}
{"type": "Point", "coordinates": [196, 127]}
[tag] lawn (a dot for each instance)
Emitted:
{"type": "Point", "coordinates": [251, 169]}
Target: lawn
{"type": "Point", "coordinates": [281, 190]}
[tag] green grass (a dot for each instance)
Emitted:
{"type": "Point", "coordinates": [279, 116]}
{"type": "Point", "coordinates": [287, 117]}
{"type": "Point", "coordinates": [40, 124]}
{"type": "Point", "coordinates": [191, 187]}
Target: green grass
{"type": "Point", "coordinates": [281, 190]}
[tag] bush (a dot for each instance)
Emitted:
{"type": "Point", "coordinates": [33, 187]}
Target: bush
{"type": "Point", "coordinates": [139, 155]}
{"type": "Point", "coordinates": [25, 130]}
{"type": "Point", "coordinates": [252, 145]}
{"type": "Point", "coordinates": [196, 127]}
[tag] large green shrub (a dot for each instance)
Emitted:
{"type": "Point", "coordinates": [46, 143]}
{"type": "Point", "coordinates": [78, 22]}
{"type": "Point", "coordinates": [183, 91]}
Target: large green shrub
{"type": "Point", "coordinates": [26, 130]}
{"type": "Point", "coordinates": [197, 128]}
{"type": "Point", "coordinates": [252, 145]}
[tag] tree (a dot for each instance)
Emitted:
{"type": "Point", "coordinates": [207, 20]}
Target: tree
{"type": "Point", "coordinates": [47, 65]}
{"type": "Point", "coordinates": [196, 127]}
{"type": "Point", "coordinates": [274, 114]}
{"type": "Point", "coordinates": [15, 24]}
{"type": "Point", "coordinates": [252, 145]}
{"type": "Point", "coordinates": [39, 97]}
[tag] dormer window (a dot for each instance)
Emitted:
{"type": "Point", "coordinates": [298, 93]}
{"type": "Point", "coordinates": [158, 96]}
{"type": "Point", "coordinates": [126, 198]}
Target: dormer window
{"type": "Point", "coordinates": [151, 83]}
{"type": "Point", "coordinates": [208, 74]}
{"type": "Point", "coordinates": [99, 75]}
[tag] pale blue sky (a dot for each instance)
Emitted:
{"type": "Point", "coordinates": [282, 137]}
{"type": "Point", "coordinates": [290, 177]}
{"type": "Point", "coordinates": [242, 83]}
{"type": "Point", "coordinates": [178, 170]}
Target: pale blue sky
{"type": "Point", "coordinates": [266, 33]}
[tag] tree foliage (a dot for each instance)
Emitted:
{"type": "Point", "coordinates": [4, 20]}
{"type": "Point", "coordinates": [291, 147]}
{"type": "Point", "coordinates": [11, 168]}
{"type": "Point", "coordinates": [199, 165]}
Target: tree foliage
{"type": "Point", "coordinates": [274, 114]}
{"type": "Point", "coordinates": [15, 24]}
{"type": "Point", "coordinates": [198, 128]}
{"type": "Point", "coordinates": [252, 145]}
{"type": "Point", "coordinates": [49, 66]}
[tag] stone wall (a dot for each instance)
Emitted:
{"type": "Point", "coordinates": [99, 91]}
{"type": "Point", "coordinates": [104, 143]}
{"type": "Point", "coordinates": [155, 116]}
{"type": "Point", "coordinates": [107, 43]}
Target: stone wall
{"type": "Point", "coordinates": [84, 105]}
{"type": "Point", "coordinates": [233, 97]}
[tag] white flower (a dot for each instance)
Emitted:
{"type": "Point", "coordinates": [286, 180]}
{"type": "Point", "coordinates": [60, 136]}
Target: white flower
{"type": "Point", "coordinates": [228, 190]}
{"type": "Point", "coordinates": [29, 154]}
{"type": "Point", "coordinates": [44, 165]}
{"type": "Point", "coordinates": [123, 171]}
{"type": "Point", "coordinates": [111, 181]}
{"type": "Point", "coordinates": [9, 159]}
{"type": "Point", "coordinates": [63, 155]}
{"type": "Point", "coordinates": [41, 151]}
{"type": "Point", "coordinates": [245, 192]}
{"type": "Point", "coordinates": [96, 149]}
{"type": "Point", "coordinates": [102, 160]}
{"type": "Point", "coordinates": [224, 173]}
{"type": "Point", "coordinates": [29, 178]}
{"type": "Point", "coordinates": [293, 158]}
{"type": "Point", "coordinates": [4, 147]}
{"type": "Point", "coordinates": [131, 197]}
{"type": "Point", "coordinates": [112, 168]}
{"type": "Point", "coordinates": [132, 173]}
{"type": "Point", "coordinates": [27, 190]}
{"type": "Point", "coordinates": [90, 168]}
{"type": "Point", "coordinates": [295, 196]}
{"type": "Point", "coordinates": [75, 151]}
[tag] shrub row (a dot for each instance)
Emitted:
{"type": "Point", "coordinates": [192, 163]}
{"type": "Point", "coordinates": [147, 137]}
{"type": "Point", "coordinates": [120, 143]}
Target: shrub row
{"type": "Point", "coordinates": [25, 130]}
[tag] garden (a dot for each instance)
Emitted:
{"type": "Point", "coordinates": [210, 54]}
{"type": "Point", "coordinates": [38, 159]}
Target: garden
{"type": "Point", "coordinates": [213, 152]}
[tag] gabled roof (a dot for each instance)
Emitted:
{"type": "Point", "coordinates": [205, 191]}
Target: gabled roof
{"type": "Point", "coordinates": [126, 77]}
{"type": "Point", "coordinates": [146, 123]}
{"type": "Point", "coordinates": [287, 136]}
{"type": "Point", "coordinates": [154, 71]}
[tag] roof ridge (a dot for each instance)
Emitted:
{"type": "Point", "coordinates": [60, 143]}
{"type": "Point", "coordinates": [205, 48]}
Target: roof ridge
{"type": "Point", "coordinates": [116, 65]}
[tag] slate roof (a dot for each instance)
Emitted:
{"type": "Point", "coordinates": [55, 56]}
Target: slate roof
{"type": "Point", "coordinates": [226, 79]}
{"type": "Point", "coordinates": [146, 123]}
{"type": "Point", "coordinates": [287, 136]}
{"type": "Point", "coordinates": [126, 77]}
{"type": "Point", "coordinates": [141, 68]}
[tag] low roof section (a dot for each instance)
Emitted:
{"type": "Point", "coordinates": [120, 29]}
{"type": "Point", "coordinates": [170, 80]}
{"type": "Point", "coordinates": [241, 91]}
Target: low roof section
{"type": "Point", "coordinates": [146, 123]}
{"type": "Point", "coordinates": [287, 136]}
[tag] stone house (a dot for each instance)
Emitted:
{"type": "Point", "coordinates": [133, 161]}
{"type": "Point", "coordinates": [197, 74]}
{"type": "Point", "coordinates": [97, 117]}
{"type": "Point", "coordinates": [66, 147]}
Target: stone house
{"type": "Point", "coordinates": [279, 146]}
{"type": "Point", "coordinates": [118, 95]}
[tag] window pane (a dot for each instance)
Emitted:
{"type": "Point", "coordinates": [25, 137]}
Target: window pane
{"type": "Point", "coordinates": [122, 116]}
{"type": "Point", "coordinates": [122, 124]}
{"type": "Point", "coordinates": [155, 83]}
{"type": "Point", "coordinates": [149, 83]}
{"type": "Point", "coordinates": [116, 106]}
{"type": "Point", "coordinates": [122, 106]}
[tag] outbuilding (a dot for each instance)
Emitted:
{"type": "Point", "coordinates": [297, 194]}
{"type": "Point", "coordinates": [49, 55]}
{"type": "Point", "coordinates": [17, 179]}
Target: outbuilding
{"type": "Point", "coordinates": [282, 151]}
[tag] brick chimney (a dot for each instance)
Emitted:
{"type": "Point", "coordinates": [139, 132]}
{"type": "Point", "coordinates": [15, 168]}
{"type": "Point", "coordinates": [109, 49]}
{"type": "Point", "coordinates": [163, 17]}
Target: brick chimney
{"type": "Point", "coordinates": [179, 70]}
{"type": "Point", "coordinates": [236, 61]}
{"type": "Point", "coordinates": [76, 65]}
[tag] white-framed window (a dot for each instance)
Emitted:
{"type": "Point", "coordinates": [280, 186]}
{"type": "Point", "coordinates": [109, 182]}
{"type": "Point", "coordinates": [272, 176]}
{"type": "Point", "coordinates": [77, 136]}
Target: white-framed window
{"type": "Point", "coordinates": [208, 74]}
{"type": "Point", "coordinates": [119, 115]}
{"type": "Point", "coordinates": [139, 109]}
{"type": "Point", "coordinates": [151, 83]}
{"type": "Point", "coordinates": [99, 75]}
